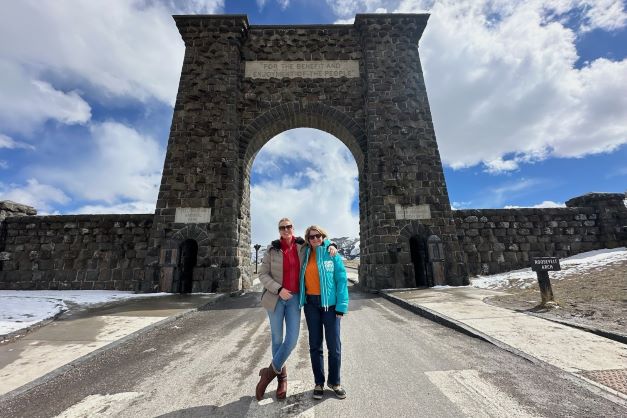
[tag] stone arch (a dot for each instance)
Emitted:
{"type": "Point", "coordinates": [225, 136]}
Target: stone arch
{"type": "Point", "coordinates": [191, 231]}
{"type": "Point", "coordinates": [302, 115]}
{"type": "Point", "coordinates": [361, 83]}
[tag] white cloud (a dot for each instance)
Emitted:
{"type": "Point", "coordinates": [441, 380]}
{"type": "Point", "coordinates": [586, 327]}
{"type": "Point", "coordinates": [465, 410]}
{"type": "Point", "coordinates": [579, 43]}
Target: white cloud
{"type": "Point", "coordinates": [128, 207]}
{"type": "Point", "coordinates": [10, 143]}
{"type": "Point", "coordinates": [120, 48]}
{"type": "Point", "coordinates": [322, 192]}
{"type": "Point", "coordinates": [26, 102]}
{"type": "Point", "coordinates": [503, 82]}
{"type": "Point", "coordinates": [348, 8]}
{"type": "Point", "coordinates": [122, 165]}
{"type": "Point", "coordinates": [35, 194]}
{"type": "Point", "coordinates": [544, 204]}
{"type": "Point", "coordinates": [499, 165]}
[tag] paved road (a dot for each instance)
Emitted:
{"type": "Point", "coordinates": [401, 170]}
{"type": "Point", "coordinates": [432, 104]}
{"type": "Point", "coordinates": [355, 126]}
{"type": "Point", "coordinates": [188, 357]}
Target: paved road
{"type": "Point", "coordinates": [395, 364]}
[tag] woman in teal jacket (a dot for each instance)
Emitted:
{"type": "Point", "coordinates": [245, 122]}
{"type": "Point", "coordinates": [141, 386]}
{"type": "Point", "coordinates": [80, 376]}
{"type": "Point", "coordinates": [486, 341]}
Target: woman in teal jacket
{"type": "Point", "coordinates": [324, 295]}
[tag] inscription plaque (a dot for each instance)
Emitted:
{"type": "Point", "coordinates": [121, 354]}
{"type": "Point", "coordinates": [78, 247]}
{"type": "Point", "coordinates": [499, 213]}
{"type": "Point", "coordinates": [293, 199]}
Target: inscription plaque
{"type": "Point", "coordinates": [192, 215]}
{"type": "Point", "coordinates": [302, 69]}
{"type": "Point", "coordinates": [413, 212]}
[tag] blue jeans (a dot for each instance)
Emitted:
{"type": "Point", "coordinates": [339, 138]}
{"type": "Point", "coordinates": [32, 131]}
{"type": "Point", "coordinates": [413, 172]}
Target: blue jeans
{"type": "Point", "coordinates": [288, 312]}
{"type": "Point", "coordinates": [319, 320]}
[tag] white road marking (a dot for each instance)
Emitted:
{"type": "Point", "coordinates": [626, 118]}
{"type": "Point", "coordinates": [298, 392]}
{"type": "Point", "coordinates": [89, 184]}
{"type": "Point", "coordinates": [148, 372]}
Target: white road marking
{"type": "Point", "coordinates": [101, 406]}
{"type": "Point", "coordinates": [475, 396]}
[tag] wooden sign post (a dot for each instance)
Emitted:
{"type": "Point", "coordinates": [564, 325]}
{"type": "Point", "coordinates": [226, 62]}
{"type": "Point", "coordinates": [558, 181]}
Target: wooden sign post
{"type": "Point", "coordinates": [542, 266]}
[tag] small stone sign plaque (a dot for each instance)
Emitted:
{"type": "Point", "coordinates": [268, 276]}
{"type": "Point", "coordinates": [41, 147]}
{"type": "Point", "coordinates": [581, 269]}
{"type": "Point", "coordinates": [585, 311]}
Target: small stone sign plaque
{"type": "Point", "coordinates": [413, 212]}
{"type": "Point", "coordinates": [302, 69]}
{"type": "Point", "coordinates": [192, 215]}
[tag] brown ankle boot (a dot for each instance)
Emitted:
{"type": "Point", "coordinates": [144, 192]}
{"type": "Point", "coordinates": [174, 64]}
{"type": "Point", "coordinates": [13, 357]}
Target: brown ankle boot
{"type": "Point", "coordinates": [267, 375]}
{"type": "Point", "coordinates": [281, 389]}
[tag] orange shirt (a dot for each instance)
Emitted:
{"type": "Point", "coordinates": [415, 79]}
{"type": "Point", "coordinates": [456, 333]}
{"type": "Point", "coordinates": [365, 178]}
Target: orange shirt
{"type": "Point", "coordinates": [312, 277]}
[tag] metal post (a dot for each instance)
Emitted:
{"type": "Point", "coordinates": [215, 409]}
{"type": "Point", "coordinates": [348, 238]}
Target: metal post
{"type": "Point", "coordinates": [257, 247]}
{"type": "Point", "coordinates": [546, 291]}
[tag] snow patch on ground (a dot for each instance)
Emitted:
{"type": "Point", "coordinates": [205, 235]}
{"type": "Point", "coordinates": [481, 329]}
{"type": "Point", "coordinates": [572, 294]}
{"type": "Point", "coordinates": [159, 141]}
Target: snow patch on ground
{"type": "Point", "coordinates": [577, 264]}
{"type": "Point", "coordinates": [21, 309]}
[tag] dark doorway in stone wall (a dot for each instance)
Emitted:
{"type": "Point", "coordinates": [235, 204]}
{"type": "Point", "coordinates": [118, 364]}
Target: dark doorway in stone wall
{"type": "Point", "coordinates": [188, 255]}
{"type": "Point", "coordinates": [418, 250]}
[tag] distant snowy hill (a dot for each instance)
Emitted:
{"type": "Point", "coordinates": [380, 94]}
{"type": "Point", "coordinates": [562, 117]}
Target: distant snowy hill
{"type": "Point", "coordinates": [347, 247]}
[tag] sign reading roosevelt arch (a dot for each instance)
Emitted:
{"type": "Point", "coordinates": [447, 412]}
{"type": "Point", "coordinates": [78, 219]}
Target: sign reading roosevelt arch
{"type": "Point", "coordinates": [243, 84]}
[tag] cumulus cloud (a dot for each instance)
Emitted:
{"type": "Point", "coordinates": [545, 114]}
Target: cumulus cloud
{"type": "Point", "coordinates": [321, 192]}
{"type": "Point", "coordinates": [123, 165]}
{"type": "Point", "coordinates": [504, 82]}
{"type": "Point", "coordinates": [121, 48]}
{"type": "Point", "coordinates": [503, 85]}
{"type": "Point", "coordinates": [38, 195]}
{"type": "Point", "coordinates": [26, 102]}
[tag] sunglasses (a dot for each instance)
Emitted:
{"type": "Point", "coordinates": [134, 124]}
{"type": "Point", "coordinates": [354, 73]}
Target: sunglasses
{"type": "Point", "coordinates": [315, 236]}
{"type": "Point", "coordinates": [285, 227]}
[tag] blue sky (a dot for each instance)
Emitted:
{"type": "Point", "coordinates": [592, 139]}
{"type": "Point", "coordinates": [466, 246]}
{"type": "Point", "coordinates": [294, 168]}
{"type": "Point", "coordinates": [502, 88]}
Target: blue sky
{"type": "Point", "coordinates": [529, 101]}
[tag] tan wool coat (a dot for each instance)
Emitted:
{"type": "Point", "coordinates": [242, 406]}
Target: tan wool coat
{"type": "Point", "coordinates": [271, 272]}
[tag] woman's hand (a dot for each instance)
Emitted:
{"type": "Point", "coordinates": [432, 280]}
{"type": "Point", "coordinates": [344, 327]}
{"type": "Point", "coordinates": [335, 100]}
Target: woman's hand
{"type": "Point", "coordinates": [332, 251]}
{"type": "Point", "coordinates": [285, 294]}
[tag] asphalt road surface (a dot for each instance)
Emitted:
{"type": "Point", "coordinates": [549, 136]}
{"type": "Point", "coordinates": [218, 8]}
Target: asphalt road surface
{"type": "Point", "coordinates": [394, 364]}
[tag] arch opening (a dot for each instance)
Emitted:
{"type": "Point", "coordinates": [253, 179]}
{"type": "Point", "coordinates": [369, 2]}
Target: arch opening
{"type": "Point", "coordinates": [311, 177]}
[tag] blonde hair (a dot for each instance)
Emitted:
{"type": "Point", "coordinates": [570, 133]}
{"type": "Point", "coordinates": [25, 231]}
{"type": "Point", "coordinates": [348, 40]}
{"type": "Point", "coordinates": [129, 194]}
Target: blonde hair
{"type": "Point", "coordinates": [285, 220]}
{"type": "Point", "coordinates": [315, 228]}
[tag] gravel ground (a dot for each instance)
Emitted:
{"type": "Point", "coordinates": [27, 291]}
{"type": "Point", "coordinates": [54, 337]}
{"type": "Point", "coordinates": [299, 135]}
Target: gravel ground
{"type": "Point", "coordinates": [595, 298]}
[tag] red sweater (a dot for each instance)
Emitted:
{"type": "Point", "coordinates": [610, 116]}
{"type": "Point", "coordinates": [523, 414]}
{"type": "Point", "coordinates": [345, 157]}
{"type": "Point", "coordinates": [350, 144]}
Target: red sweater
{"type": "Point", "coordinates": [291, 265]}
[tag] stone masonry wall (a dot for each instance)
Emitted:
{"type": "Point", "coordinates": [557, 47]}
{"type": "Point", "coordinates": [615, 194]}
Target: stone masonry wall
{"type": "Point", "coordinates": [74, 252]}
{"type": "Point", "coordinates": [498, 240]}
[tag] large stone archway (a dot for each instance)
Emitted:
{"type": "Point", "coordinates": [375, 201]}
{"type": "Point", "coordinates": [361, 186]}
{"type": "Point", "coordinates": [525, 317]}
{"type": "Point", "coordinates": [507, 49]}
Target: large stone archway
{"type": "Point", "coordinates": [242, 84]}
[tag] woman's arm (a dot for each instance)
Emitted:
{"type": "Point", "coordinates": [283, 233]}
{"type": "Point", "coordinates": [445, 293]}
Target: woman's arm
{"type": "Point", "coordinates": [265, 275]}
{"type": "Point", "coordinates": [341, 285]}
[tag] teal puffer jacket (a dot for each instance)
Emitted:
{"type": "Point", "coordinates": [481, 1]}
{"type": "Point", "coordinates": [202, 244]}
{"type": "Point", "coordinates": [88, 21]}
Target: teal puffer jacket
{"type": "Point", "coordinates": [333, 283]}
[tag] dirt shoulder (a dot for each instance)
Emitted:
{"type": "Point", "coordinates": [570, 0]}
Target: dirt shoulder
{"type": "Point", "coordinates": [596, 298]}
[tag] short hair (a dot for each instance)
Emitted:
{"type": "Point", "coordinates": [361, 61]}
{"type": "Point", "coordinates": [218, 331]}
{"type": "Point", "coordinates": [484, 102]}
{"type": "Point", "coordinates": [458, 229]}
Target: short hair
{"type": "Point", "coordinates": [315, 228]}
{"type": "Point", "coordinates": [284, 220]}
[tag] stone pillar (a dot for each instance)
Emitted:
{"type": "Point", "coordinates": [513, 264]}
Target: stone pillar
{"type": "Point", "coordinates": [201, 165]}
{"type": "Point", "coordinates": [611, 213]}
{"type": "Point", "coordinates": [405, 179]}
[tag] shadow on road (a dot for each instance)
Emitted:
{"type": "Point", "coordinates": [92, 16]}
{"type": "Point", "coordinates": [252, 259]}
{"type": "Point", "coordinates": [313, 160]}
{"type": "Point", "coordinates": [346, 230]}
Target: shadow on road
{"type": "Point", "coordinates": [238, 408]}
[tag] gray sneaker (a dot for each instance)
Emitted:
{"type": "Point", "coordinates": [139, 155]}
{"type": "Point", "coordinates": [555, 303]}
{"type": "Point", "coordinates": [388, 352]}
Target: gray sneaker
{"type": "Point", "coordinates": [318, 392]}
{"type": "Point", "coordinates": [339, 391]}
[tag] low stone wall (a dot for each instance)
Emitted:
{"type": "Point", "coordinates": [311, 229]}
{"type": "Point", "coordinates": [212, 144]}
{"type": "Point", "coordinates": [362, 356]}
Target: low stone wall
{"type": "Point", "coordinates": [74, 252]}
{"type": "Point", "coordinates": [498, 240]}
